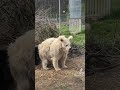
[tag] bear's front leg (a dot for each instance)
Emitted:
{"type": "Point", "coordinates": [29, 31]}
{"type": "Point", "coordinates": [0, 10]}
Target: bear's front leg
{"type": "Point", "coordinates": [55, 64]}
{"type": "Point", "coordinates": [63, 61]}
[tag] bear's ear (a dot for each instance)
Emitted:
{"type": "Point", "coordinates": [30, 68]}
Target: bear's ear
{"type": "Point", "coordinates": [61, 38]}
{"type": "Point", "coordinates": [70, 37]}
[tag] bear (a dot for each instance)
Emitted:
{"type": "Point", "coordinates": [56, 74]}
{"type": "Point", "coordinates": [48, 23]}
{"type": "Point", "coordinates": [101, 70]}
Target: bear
{"type": "Point", "coordinates": [22, 61]}
{"type": "Point", "coordinates": [55, 50]}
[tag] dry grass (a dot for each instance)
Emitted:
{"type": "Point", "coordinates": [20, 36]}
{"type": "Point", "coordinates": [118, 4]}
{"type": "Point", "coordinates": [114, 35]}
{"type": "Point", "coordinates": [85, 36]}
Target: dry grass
{"type": "Point", "coordinates": [44, 28]}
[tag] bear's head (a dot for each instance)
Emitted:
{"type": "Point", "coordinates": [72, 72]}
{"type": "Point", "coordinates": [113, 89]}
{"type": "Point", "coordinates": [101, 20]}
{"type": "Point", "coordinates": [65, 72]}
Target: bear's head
{"type": "Point", "coordinates": [65, 42]}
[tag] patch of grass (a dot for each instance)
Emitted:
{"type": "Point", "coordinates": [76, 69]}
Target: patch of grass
{"type": "Point", "coordinates": [106, 34]}
{"type": "Point", "coordinates": [78, 39]}
{"type": "Point", "coordinates": [64, 30]}
{"type": "Point", "coordinates": [106, 31]}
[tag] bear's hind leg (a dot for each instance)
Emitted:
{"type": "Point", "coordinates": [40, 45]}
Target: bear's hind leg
{"type": "Point", "coordinates": [44, 64]}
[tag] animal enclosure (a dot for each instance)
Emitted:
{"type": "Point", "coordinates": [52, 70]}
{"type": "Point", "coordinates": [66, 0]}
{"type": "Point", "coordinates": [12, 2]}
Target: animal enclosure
{"type": "Point", "coordinates": [97, 8]}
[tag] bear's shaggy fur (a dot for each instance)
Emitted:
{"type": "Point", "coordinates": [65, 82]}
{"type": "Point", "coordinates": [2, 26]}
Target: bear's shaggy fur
{"type": "Point", "coordinates": [55, 50]}
{"type": "Point", "coordinates": [21, 61]}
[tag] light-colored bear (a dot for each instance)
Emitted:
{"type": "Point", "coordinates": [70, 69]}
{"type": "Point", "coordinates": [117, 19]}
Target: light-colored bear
{"type": "Point", "coordinates": [55, 50]}
{"type": "Point", "coordinates": [22, 60]}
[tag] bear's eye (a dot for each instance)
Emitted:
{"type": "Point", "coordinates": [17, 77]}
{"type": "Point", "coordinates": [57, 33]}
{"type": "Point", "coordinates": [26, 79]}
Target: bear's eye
{"type": "Point", "coordinates": [66, 45]}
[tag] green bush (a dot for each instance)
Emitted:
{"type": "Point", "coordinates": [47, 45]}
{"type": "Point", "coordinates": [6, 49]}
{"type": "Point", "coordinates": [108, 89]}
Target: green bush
{"type": "Point", "coordinates": [78, 39]}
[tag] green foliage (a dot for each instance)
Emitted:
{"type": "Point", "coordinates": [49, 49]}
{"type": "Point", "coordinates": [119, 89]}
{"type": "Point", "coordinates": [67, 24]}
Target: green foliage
{"type": "Point", "coordinates": [106, 34]}
{"type": "Point", "coordinates": [78, 39]}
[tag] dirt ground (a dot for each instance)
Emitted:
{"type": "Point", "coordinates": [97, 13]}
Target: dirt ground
{"type": "Point", "coordinates": [66, 79]}
{"type": "Point", "coordinates": [107, 80]}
